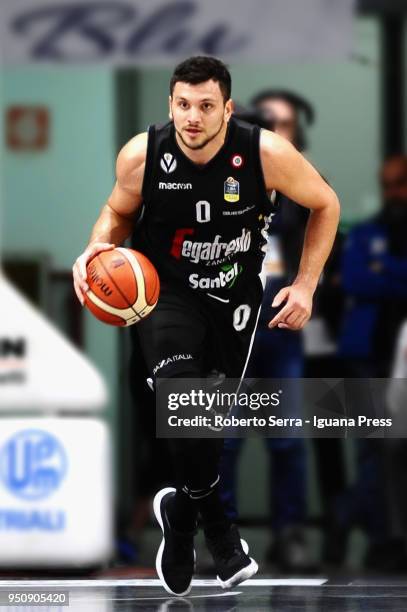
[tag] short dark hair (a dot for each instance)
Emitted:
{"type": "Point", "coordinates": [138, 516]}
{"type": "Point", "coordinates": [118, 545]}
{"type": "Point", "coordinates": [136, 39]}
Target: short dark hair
{"type": "Point", "coordinates": [199, 69]}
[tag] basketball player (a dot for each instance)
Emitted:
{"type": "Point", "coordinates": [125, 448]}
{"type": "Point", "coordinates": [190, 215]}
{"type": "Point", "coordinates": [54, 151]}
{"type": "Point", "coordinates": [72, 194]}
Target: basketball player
{"type": "Point", "coordinates": [204, 182]}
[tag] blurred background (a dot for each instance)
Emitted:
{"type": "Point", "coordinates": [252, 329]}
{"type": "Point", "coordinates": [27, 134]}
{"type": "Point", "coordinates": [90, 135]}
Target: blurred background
{"type": "Point", "coordinates": [74, 88]}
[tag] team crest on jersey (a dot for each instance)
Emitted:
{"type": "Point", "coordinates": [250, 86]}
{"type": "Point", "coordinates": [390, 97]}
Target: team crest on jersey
{"type": "Point", "coordinates": [231, 190]}
{"type": "Point", "coordinates": [237, 161]}
{"type": "Point", "coordinates": [168, 163]}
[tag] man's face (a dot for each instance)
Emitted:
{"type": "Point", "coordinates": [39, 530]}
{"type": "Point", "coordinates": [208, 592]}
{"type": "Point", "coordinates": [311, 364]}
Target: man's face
{"type": "Point", "coordinates": [199, 112]}
{"type": "Point", "coordinates": [283, 115]}
{"type": "Point", "coordinates": [394, 181]}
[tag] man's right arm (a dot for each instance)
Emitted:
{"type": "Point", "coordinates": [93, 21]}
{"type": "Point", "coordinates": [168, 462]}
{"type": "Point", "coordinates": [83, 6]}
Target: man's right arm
{"type": "Point", "coordinates": [115, 222]}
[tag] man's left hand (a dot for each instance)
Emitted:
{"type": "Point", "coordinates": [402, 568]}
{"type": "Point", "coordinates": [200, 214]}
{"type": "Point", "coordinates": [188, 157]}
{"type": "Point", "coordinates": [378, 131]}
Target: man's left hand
{"type": "Point", "coordinates": [297, 309]}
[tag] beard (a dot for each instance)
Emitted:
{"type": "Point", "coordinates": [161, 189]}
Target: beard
{"type": "Point", "coordinates": [202, 145]}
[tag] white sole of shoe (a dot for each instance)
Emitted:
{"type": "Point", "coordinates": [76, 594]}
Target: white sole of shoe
{"type": "Point", "coordinates": [240, 576]}
{"type": "Point", "coordinates": [158, 559]}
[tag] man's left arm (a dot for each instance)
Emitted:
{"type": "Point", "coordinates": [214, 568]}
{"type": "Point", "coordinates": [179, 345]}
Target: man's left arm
{"type": "Point", "coordinates": [288, 172]}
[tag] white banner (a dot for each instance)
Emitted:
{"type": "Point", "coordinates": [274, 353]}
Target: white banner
{"type": "Point", "coordinates": [39, 368]}
{"type": "Point", "coordinates": [56, 500]}
{"type": "Point", "coordinates": [161, 32]}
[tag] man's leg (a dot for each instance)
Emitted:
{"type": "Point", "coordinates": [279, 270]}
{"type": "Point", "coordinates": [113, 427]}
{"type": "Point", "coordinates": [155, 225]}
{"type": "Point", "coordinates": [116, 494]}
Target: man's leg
{"type": "Point", "coordinates": [232, 331]}
{"type": "Point", "coordinates": [196, 463]}
{"type": "Point", "coordinates": [176, 329]}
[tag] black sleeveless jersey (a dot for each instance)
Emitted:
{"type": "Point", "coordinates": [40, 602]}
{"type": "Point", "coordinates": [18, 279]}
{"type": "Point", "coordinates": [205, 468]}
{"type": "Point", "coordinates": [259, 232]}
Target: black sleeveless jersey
{"type": "Point", "coordinates": [202, 225]}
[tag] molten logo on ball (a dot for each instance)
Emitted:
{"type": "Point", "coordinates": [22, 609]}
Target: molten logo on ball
{"type": "Point", "coordinates": [99, 281]}
{"type": "Point", "coordinates": [123, 286]}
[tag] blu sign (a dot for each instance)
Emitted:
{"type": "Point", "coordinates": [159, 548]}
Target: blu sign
{"type": "Point", "coordinates": [32, 464]}
{"type": "Point", "coordinates": [99, 27]}
{"type": "Point", "coordinates": [162, 31]}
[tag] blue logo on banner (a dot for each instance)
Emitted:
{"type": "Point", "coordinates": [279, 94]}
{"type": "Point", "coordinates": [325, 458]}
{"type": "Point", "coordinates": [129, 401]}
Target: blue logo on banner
{"type": "Point", "coordinates": [32, 464]}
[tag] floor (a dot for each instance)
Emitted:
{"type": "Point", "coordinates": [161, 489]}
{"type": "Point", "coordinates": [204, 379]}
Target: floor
{"type": "Point", "coordinates": [260, 594]}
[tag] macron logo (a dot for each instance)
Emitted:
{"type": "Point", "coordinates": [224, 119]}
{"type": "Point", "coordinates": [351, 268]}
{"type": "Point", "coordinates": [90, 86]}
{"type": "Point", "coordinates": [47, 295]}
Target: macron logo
{"type": "Point", "coordinates": [162, 185]}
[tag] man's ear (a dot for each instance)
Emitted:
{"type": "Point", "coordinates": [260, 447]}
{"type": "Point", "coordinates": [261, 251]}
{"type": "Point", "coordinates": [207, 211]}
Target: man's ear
{"type": "Point", "coordinates": [169, 107]}
{"type": "Point", "coordinates": [229, 108]}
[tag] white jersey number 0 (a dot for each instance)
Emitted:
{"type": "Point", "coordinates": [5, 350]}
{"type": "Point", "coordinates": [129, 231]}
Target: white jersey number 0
{"type": "Point", "coordinates": [203, 211]}
{"type": "Point", "coordinates": [241, 316]}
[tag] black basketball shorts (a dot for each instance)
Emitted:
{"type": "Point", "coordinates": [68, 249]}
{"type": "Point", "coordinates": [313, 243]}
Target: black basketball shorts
{"type": "Point", "coordinates": [194, 336]}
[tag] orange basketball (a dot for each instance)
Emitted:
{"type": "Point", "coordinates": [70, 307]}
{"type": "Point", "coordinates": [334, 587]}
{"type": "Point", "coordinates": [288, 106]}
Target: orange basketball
{"type": "Point", "coordinates": [123, 286]}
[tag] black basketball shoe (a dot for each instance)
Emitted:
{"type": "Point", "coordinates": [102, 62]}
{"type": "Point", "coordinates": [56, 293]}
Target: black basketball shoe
{"type": "Point", "coordinates": [229, 553]}
{"type": "Point", "coordinates": [175, 561]}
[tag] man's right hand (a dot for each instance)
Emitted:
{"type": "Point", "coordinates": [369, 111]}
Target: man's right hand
{"type": "Point", "coordinates": [79, 267]}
